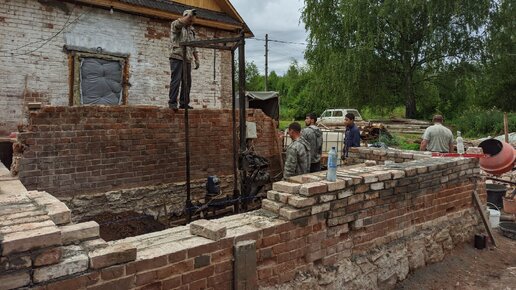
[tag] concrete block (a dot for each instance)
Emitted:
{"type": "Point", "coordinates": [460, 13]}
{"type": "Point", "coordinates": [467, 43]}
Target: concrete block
{"type": "Point", "coordinates": [14, 280]}
{"type": "Point", "coordinates": [313, 188]}
{"type": "Point", "coordinates": [112, 255]}
{"type": "Point", "coordinates": [78, 232]}
{"type": "Point", "coordinates": [30, 240]}
{"type": "Point", "coordinates": [208, 229]}
{"type": "Point", "coordinates": [285, 186]}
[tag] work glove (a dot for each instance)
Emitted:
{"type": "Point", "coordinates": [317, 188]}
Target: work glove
{"type": "Point", "coordinates": [196, 64]}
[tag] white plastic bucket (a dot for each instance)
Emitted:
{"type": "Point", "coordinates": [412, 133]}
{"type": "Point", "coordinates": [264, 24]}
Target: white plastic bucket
{"type": "Point", "coordinates": [494, 217]}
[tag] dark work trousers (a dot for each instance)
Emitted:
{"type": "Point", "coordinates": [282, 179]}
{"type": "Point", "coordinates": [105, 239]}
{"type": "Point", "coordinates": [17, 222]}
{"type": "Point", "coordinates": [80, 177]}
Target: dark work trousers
{"type": "Point", "coordinates": [176, 69]}
{"type": "Point", "coordinates": [315, 167]}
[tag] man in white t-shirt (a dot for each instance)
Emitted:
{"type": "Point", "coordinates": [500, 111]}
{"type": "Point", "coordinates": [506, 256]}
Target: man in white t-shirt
{"type": "Point", "coordinates": [437, 138]}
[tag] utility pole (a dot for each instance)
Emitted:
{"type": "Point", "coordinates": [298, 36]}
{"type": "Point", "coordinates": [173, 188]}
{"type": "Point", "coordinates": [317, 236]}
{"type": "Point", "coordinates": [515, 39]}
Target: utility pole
{"type": "Point", "coordinates": [266, 60]}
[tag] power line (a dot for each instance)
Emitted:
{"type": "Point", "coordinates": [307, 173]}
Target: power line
{"type": "Point", "coordinates": [279, 41]}
{"type": "Point", "coordinates": [45, 41]}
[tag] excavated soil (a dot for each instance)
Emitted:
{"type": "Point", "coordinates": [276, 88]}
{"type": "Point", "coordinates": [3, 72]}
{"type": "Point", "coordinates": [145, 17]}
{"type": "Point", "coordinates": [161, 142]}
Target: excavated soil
{"type": "Point", "coordinates": [115, 226]}
{"type": "Point", "coordinates": [469, 268]}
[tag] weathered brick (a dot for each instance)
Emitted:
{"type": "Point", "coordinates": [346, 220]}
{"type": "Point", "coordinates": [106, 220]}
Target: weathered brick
{"type": "Point", "coordinates": [208, 229]}
{"type": "Point", "coordinates": [59, 213]}
{"type": "Point", "coordinates": [337, 185]}
{"type": "Point", "coordinates": [377, 186]}
{"type": "Point", "coordinates": [284, 186]}
{"type": "Point", "coordinates": [301, 202]}
{"type": "Point", "coordinates": [345, 193]}
{"type": "Point", "coordinates": [78, 232]}
{"type": "Point", "coordinates": [290, 213]}
{"type": "Point", "coordinates": [278, 196]}
{"type": "Point", "coordinates": [14, 280]}
{"type": "Point", "coordinates": [112, 255]}
{"type": "Point", "coordinates": [272, 206]}
{"type": "Point", "coordinates": [320, 208]}
{"type": "Point", "coordinates": [69, 265]}
{"type": "Point", "coordinates": [14, 263]}
{"type": "Point", "coordinates": [30, 240]}
{"type": "Point", "coordinates": [48, 257]}
{"type": "Point", "coordinates": [313, 188]}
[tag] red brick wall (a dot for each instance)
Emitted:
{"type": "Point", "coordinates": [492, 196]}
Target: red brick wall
{"type": "Point", "coordinates": [74, 150]}
{"type": "Point", "coordinates": [287, 248]}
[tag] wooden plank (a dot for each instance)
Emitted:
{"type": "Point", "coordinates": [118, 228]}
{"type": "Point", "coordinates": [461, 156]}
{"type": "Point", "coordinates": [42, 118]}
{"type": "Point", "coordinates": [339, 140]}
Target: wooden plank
{"type": "Point", "coordinates": [478, 204]}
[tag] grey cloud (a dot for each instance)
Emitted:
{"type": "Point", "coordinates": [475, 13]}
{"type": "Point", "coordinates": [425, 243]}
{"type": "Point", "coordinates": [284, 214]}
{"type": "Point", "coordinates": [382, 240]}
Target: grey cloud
{"type": "Point", "coordinates": [281, 20]}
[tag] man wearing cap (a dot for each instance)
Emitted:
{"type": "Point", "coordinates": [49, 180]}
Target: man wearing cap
{"type": "Point", "coordinates": [182, 31]}
{"type": "Point", "coordinates": [437, 138]}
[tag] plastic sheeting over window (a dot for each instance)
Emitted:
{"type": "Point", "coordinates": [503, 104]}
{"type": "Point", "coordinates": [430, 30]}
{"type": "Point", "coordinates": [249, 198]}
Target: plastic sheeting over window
{"type": "Point", "coordinates": [101, 82]}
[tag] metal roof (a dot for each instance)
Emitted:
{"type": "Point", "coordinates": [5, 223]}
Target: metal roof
{"type": "Point", "coordinates": [262, 95]}
{"type": "Point", "coordinates": [178, 8]}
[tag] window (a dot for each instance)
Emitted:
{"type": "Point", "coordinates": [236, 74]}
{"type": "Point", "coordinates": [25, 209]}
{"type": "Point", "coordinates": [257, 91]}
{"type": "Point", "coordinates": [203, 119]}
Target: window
{"type": "Point", "coordinates": [326, 114]}
{"type": "Point", "coordinates": [337, 114]}
{"type": "Point", "coordinates": [98, 79]}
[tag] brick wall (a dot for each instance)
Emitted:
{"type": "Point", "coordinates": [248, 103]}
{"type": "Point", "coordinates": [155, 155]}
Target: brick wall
{"type": "Point", "coordinates": [368, 230]}
{"type": "Point", "coordinates": [31, 73]}
{"type": "Point", "coordinates": [73, 150]}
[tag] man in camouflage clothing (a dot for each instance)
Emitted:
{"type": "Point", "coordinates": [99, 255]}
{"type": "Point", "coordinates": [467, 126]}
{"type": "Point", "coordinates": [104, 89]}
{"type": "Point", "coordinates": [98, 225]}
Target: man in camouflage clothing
{"type": "Point", "coordinates": [313, 135]}
{"type": "Point", "coordinates": [297, 160]}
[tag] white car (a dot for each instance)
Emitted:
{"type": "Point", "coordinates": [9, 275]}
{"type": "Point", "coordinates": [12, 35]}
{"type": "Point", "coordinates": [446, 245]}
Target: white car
{"type": "Point", "coordinates": [335, 117]}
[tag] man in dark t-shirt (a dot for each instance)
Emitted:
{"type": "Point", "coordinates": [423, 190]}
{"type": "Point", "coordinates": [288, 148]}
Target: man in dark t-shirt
{"type": "Point", "coordinates": [352, 134]}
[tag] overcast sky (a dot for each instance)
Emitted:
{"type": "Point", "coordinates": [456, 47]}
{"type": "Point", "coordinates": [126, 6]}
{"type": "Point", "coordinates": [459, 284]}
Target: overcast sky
{"type": "Point", "coordinates": [281, 20]}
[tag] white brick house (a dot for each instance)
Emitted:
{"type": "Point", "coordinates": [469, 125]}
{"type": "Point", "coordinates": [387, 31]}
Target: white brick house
{"type": "Point", "coordinates": [43, 41]}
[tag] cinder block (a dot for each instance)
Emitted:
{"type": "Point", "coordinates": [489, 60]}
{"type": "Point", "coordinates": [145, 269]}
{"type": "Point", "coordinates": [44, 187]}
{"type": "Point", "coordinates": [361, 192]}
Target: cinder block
{"type": "Point", "coordinates": [112, 255]}
{"type": "Point", "coordinates": [285, 186]}
{"type": "Point", "coordinates": [78, 232]}
{"type": "Point", "coordinates": [313, 188]}
{"type": "Point", "coordinates": [208, 229]}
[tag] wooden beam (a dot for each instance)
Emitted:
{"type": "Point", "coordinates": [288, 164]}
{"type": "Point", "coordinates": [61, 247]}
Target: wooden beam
{"type": "Point", "coordinates": [157, 13]}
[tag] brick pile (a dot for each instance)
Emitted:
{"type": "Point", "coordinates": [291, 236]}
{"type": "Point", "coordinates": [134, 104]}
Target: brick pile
{"type": "Point", "coordinates": [90, 149]}
{"type": "Point", "coordinates": [361, 154]}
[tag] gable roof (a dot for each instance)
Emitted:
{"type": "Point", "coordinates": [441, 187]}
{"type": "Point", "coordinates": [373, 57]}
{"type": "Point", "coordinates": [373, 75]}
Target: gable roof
{"type": "Point", "coordinates": [229, 19]}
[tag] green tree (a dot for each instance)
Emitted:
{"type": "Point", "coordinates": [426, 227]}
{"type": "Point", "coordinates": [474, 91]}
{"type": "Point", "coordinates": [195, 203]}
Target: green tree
{"type": "Point", "coordinates": [498, 84]}
{"type": "Point", "coordinates": [385, 53]}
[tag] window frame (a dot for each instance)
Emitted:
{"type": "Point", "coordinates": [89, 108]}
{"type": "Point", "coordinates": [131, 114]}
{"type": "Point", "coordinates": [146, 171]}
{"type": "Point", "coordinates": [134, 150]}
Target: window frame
{"type": "Point", "coordinates": [74, 67]}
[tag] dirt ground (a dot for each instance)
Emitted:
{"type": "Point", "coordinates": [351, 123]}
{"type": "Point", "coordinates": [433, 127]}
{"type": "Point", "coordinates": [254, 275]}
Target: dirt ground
{"type": "Point", "coordinates": [127, 224]}
{"type": "Point", "coordinates": [469, 268]}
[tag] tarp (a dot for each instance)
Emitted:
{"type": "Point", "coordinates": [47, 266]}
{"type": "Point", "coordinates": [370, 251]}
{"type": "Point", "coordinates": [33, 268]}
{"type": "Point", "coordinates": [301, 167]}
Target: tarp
{"type": "Point", "coordinates": [101, 82]}
{"type": "Point", "coordinates": [268, 102]}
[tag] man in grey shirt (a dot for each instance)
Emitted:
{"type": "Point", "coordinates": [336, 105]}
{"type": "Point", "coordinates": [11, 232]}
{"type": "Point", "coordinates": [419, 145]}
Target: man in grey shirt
{"type": "Point", "coordinates": [437, 138]}
{"type": "Point", "coordinates": [182, 31]}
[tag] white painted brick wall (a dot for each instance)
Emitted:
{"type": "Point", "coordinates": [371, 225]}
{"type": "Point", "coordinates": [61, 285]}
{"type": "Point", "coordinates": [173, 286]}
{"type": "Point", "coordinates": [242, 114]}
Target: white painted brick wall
{"type": "Point", "coordinates": [42, 75]}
